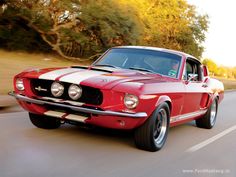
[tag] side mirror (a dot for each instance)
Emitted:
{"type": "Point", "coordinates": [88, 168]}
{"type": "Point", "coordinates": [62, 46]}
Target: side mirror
{"type": "Point", "coordinates": [205, 71]}
{"type": "Point", "coordinates": [192, 77]}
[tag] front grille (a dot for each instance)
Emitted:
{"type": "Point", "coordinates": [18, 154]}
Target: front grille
{"type": "Point", "coordinates": [90, 95]}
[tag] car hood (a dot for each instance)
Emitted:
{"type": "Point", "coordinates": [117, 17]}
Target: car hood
{"type": "Point", "coordinates": [99, 77]}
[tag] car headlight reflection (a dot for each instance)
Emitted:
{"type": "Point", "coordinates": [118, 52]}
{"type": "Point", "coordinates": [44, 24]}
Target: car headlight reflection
{"type": "Point", "coordinates": [131, 101]}
{"type": "Point", "coordinates": [74, 92]}
{"type": "Point", "coordinates": [57, 89]}
{"type": "Point", "coordinates": [20, 84]}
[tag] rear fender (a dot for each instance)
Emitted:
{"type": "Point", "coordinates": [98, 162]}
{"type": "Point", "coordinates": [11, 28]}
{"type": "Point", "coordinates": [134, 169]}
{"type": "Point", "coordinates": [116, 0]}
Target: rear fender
{"type": "Point", "coordinates": [212, 97]}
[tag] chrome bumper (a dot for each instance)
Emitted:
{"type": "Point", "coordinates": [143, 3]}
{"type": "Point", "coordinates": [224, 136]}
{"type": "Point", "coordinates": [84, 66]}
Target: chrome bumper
{"type": "Point", "coordinates": [76, 108]}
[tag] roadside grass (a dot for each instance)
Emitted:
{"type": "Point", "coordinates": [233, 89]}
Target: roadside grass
{"type": "Point", "coordinates": [229, 84]}
{"type": "Point", "coordinates": [12, 63]}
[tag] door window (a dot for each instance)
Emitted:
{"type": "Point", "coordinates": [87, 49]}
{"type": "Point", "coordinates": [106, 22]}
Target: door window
{"type": "Point", "coordinates": [192, 70]}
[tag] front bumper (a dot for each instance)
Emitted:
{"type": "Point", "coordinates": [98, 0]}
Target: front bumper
{"type": "Point", "coordinates": [77, 108]}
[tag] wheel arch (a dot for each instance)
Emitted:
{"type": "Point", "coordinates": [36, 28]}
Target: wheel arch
{"type": "Point", "coordinates": [162, 99]}
{"type": "Point", "coordinates": [213, 97]}
{"type": "Point", "coordinates": [151, 136]}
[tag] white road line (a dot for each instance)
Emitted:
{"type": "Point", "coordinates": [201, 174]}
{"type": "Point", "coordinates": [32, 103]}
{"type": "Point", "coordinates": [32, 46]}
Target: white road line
{"type": "Point", "coordinates": [211, 140]}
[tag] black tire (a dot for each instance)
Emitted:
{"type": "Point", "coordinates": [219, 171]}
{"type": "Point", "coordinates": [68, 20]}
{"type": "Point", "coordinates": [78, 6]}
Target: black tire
{"type": "Point", "coordinates": [44, 122]}
{"type": "Point", "coordinates": [209, 119]}
{"type": "Point", "coordinates": [152, 135]}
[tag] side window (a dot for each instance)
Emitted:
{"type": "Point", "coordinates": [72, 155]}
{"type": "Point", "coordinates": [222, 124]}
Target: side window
{"type": "Point", "coordinates": [192, 70]}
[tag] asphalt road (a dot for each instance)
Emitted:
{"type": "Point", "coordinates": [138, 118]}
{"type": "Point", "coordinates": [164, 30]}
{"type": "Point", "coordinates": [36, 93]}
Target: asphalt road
{"type": "Point", "coordinates": [26, 151]}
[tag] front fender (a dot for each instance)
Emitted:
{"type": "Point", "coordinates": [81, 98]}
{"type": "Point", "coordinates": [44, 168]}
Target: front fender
{"type": "Point", "coordinates": [162, 99]}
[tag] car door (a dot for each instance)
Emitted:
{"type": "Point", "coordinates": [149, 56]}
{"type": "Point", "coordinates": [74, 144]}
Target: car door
{"type": "Point", "coordinates": [194, 87]}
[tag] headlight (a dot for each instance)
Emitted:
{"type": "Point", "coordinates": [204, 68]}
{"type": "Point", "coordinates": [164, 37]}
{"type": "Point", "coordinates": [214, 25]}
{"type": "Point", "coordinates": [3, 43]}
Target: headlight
{"type": "Point", "coordinates": [19, 84]}
{"type": "Point", "coordinates": [57, 89]}
{"type": "Point", "coordinates": [131, 101]}
{"type": "Point", "coordinates": [75, 92]}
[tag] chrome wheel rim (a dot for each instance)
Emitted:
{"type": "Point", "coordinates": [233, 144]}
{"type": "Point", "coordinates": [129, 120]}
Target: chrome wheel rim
{"type": "Point", "coordinates": [213, 113]}
{"type": "Point", "coordinates": [160, 126]}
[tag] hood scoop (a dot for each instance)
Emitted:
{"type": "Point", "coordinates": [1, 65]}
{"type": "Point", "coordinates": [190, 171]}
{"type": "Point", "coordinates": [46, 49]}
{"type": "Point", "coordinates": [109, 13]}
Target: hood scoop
{"type": "Point", "coordinates": [93, 68]}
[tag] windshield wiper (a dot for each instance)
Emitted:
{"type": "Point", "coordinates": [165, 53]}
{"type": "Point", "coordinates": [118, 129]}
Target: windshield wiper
{"type": "Point", "coordinates": [141, 69]}
{"type": "Point", "coordinates": [106, 65]}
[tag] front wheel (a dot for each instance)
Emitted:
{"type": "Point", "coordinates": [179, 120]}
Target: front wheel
{"type": "Point", "coordinates": [152, 135]}
{"type": "Point", "coordinates": [45, 122]}
{"type": "Point", "coordinates": [209, 119]}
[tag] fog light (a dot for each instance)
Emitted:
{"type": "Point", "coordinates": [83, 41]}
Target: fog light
{"type": "Point", "coordinates": [20, 84]}
{"type": "Point", "coordinates": [57, 89]}
{"type": "Point", "coordinates": [74, 92]}
{"type": "Point", "coordinates": [131, 101]}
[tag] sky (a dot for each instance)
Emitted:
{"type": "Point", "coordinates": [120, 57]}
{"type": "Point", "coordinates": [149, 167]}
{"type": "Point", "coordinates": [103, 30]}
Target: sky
{"type": "Point", "coordinates": [220, 44]}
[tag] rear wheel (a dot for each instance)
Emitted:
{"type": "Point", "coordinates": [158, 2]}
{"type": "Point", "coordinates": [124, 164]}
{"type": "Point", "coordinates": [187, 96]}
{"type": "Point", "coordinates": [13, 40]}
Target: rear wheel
{"type": "Point", "coordinates": [209, 119]}
{"type": "Point", "coordinates": [151, 136]}
{"type": "Point", "coordinates": [44, 122]}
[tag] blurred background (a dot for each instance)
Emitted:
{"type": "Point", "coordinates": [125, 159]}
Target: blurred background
{"type": "Point", "coordinates": [50, 33]}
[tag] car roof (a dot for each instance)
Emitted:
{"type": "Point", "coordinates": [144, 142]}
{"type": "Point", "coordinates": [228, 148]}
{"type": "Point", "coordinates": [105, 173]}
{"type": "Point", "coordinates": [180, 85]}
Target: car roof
{"type": "Point", "coordinates": [159, 49]}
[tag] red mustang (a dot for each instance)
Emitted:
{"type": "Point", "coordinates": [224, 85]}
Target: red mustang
{"type": "Point", "coordinates": [142, 88]}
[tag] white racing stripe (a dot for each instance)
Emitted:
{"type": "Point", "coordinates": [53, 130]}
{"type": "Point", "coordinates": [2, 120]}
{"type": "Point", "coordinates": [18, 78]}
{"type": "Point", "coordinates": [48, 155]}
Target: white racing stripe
{"type": "Point", "coordinates": [52, 75]}
{"type": "Point", "coordinates": [78, 77]}
{"type": "Point", "coordinates": [70, 75]}
{"type": "Point", "coordinates": [211, 140]}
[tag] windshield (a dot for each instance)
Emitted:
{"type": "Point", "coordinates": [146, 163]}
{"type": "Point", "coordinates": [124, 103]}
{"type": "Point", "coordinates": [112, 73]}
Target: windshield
{"type": "Point", "coordinates": [142, 60]}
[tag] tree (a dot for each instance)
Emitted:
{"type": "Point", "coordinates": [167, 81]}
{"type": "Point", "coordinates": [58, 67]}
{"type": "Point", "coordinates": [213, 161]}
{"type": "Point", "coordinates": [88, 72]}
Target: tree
{"type": "Point", "coordinates": [51, 19]}
{"type": "Point", "coordinates": [234, 72]}
{"type": "Point", "coordinates": [82, 28]}
{"type": "Point", "coordinates": [109, 23]}
{"type": "Point", "coordinates": [211, 65]}
{"type": "Point", "coordinates": [222, 71]}
{"type": "Point", "coordinates": [73, 28]}
{"type": "Point", "coordinates": [176, 25]}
